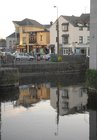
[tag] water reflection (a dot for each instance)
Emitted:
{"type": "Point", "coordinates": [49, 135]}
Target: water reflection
{"type": "Point", "coordinates": [68, 100]}
{"type": "Point", "coordinates": [6, 95]}
{"type": "Point", "coordinates": [92, 107]}
{"type": "Point", "coordinates": [32, 94]}
{"type": "Point", "coordinates": [58, 110]}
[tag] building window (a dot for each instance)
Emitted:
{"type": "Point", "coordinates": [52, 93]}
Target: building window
{"type": "Point", "coordinates": [80, 39]}
{"type": "Point", "coordinates": [65, 94]}
{"type": "Point", "coordinates": [65, 27]}
{"type": "Point", "coordinates": [67, 51]}
{"type": "Point", "coordinates": [32, 37]}
{"type": "Point", "coordinates": [65, 105]}
{"type": "Point", "coordinates": [65, 39]}
{"type": "Point", "coordinates": [80, 28]}
{"type": "Point", "coordinates": [41, 37]}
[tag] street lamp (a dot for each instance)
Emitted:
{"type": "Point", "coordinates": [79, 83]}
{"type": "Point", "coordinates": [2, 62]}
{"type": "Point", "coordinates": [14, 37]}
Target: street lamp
{"type": "Point", "coordinates": [57, 27]}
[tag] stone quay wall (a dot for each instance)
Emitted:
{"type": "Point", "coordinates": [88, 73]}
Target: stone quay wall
{"type": "Point", "coordinates": [53, 68]}
{"type": "Point", "coordinates": [72, 65]}
{"type": "Point", "coordinates": [9, 77]}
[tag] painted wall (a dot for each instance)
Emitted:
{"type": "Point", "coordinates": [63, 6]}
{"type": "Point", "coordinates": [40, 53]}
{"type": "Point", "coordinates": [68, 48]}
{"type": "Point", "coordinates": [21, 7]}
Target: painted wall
{"type": "Point", "coordinates": [73, 33]}
{"type": "Point", "coordinates": [45, 38]}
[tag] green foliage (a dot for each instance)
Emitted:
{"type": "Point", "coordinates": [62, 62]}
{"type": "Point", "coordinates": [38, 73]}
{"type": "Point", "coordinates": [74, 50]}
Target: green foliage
{"type": "Point", "coordinates": [54, 58]}
{"type": "Point", "coordinates": [59, 58]}
{"type": "Point", "coordinates": [91, 78]}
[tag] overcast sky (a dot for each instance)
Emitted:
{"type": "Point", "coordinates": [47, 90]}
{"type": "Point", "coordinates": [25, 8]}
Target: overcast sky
{"type": "Point", "coordinates": [42, 11]}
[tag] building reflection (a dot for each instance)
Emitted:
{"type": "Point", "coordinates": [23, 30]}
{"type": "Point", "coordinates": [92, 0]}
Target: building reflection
{"type": "Point", "coordinates": [92, 107]}
{"type": "Point", "coordinates": [72, 99]}
{"type": "Point", "coordinates": [32, 94]}
{"type": "Point", "coordinates": [65, 100]}
{"type": "Point", "coordinates": [68, 100]}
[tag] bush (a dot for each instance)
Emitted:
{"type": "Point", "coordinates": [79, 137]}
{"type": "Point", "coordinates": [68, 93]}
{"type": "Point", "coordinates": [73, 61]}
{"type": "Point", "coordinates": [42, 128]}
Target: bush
{"type": "Point", "coordinates": [54, 58]}
{"type": "Point", "coordinates": [59, 58]}
{"type": "Point", "coordinates": [91, 78]}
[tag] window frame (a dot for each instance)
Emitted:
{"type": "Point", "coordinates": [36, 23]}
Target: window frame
{"type": "Point", "coordinates": [65, 27]}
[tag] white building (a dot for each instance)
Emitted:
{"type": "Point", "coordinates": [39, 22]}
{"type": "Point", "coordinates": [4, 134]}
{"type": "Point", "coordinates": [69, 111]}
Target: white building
{"type": "Point", "coordinates": [11, 41]}
{"type": "Point", "coordinates": [74, 34]}
{"type": "Point", "coordinates": [70, 99]}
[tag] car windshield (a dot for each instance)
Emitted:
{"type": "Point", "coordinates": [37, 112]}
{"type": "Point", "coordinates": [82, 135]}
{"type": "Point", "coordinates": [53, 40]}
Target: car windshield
{"type": "Point", "coordinates": [26, 54]}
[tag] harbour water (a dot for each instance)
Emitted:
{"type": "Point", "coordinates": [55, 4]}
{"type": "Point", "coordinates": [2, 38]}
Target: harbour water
{"type": "Point", "coordinates": [47, 111]}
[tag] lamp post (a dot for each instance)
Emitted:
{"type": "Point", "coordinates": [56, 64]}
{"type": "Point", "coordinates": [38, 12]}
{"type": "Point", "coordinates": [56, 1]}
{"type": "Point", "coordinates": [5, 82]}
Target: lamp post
{"type": "Point", "coordinates": [57, 28]}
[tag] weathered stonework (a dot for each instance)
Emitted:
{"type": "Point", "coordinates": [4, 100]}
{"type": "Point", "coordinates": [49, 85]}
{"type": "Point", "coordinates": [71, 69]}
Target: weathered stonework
{"type": "Point", "coordinates": [9, 77]}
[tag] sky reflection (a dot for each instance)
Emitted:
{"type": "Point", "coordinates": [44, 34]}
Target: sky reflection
{"type": "Point", "coordinates": [48, 117]}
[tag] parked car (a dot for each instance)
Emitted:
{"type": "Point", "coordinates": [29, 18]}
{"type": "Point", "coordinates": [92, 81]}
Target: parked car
{"type": "Point", "coordinates": [23, 56]}
{"type": "Point", "coordinates": [46, 57]}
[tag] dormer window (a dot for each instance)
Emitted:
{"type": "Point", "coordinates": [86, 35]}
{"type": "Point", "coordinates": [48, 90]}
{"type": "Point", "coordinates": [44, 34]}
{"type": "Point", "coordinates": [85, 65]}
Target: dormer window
{"type": "Point", "coordinates": [65, 27]}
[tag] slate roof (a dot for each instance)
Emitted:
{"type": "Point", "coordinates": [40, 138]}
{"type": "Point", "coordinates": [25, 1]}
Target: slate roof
{"type": "Point", "coordinates": [30, 22]}
{"type": "Point", "coordinates": [12, 35]}
{"type": "Point", "coordinates": [74, 20]}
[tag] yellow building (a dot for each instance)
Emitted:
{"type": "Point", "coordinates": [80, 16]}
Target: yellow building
{"type": "Point", "coordinates": [31, 35]}
{"type": "Point", "coordinates": [43, 92]}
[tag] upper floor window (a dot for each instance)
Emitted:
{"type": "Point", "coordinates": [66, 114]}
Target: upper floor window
{"type": "Point", "coordinates": [41, 37]}
{"type": "Point", "coordinates": [65, 105]}
{"type": "Point", "coordinates": [80, 39]}
{"type": "Point", "coordinates": [88, 39]}
{"type": "Point", "coordinates": [65, 27]}
{"type": "Point", "coordinates": [32, 37]}
{"type": "Point", "coordinates": [65, 93]}
{"type": "Point", "coordinates": [80, 28]}
{"type": "Point", "coordinates": [65, 38]}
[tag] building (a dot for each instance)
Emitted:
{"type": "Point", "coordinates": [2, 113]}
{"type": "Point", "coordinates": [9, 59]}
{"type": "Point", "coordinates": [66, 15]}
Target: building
{"type": "Point", "coordinates": [74, 34]}
{"type": "Point", "coordinates": [68, 100]}
{"type": "Point", "coordinates": [11, 42]}
{"type": "Point", "coordinates": [2, 44]}
{"type": "Point", "coordinates": [31, 35]}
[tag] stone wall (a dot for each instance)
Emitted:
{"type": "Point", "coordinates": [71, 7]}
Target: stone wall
{"type": "Point", "coordinates": [9, 77]}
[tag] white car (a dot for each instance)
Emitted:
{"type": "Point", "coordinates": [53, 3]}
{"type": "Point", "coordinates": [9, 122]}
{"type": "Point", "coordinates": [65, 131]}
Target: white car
{"type": "Point", "coordinates": [23, 56]}
{"type": "Point", "coordinates": [46, 57]}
